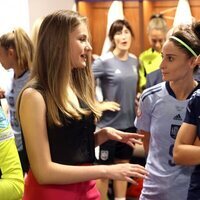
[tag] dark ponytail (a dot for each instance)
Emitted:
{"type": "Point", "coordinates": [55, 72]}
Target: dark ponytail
{"type": "Point", "coordinates": [196, 29]}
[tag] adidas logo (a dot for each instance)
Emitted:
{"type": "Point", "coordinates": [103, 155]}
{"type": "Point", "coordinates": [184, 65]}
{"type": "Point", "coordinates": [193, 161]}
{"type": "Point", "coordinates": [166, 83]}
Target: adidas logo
{"type": "Point", "coordinates": [178, 117]}
{"type": "Point", "coordinates": [117, 71]}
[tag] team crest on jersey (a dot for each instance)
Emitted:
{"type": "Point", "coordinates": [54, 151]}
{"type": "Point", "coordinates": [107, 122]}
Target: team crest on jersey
{"type": "Point", "coordinates": [104, 155]}
{"type": "Point", "coordinates": [174, 130]}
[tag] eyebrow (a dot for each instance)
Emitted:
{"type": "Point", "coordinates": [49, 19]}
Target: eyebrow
{"type": "Point", "coordinates": [169, 54]}
{"type": "Point", "coordinates": [158, 39]}
{"type": "Point", "coordinates": [83, 36]}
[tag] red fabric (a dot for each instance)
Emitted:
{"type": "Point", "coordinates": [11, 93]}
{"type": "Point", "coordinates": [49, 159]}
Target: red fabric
{"type": "Point", "coordinates": [135, 190]}
{"type": "Point", "coordinates": [80, 191]}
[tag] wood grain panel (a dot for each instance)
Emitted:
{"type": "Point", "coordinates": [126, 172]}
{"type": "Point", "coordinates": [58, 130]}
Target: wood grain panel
{"type": "Point", "coordinates": [136, 12]}
{"type": "Point", "coordinates": [131, 13]}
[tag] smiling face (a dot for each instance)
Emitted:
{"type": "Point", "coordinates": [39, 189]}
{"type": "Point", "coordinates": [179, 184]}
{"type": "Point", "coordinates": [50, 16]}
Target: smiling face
{"type": "Point", "coordinates": [175, 65]}
{"type": "Point", "coordinates": [80, 47]}
{"type": "Point", "coordinates": [122, 39]}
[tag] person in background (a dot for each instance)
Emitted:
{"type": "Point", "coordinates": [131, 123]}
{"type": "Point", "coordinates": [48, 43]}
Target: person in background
{"type": "Point", "coordinates": [187, 144]}
{"type": "Point", "coordinates": [16, 52]}
{"type": "Point", "coordinates": [117, 72]}
{"type": "Point", "coordinates": [11, 176]}
{"type": "Point", "coordinates": [151, 58]}
{"type": "Point", "coordinates": [58, 130]}
{"type": "Point", "coordinates": [5, 84]}
{"type": "Point", "coordinates": [161, 112]}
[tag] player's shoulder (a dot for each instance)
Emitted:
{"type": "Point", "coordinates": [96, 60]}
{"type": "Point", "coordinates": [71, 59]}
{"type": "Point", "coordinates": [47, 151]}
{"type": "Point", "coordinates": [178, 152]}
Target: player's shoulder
{"type": "Point", "coordinates": [145, 52]}
{"type": "Point", "coordinates": [197, 93]}
{"type": "Point", "coordinates": [106, 56]}
{"type": "Point", "coordinates": [157, 90]}
{"type": "Point", "coordinates": [132, 56]}
{"type": "Point", "coordinates": [195, 97]}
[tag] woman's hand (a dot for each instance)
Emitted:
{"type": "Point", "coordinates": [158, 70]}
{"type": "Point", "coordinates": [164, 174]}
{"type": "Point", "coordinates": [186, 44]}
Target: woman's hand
{"type": "Point", "coordinates": [109, 133]}
{"type": "Point", "coordinates": [125, 172]}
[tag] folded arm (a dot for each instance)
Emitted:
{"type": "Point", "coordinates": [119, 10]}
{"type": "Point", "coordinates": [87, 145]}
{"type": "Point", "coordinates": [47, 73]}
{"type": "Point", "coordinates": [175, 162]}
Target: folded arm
{"type": "Point", "coordinates": [187, 146]}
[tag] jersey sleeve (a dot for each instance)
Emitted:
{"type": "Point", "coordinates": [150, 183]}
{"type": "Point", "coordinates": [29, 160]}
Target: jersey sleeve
{"type": "Point", "coordinates": [98, 68]}
{"type": "Point", "coordinates": [143, 119]}
{"type": "Point", "coordinates": [192, 112]}
{"type": "Point", "coordinates": [11, 182]}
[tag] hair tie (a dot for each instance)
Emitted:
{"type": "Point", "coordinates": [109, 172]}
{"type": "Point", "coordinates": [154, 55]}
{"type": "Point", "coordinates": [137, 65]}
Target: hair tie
{"type": "Point", "coordinates": [185, 45]}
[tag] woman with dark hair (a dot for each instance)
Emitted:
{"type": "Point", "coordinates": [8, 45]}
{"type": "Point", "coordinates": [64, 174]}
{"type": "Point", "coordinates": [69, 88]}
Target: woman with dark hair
{"type": "Point", "coordinates": [117, 72]}
{"type": "Point", "coordinates": [187, 145]}
{"type": "Point", "coordinates": [161, 112]}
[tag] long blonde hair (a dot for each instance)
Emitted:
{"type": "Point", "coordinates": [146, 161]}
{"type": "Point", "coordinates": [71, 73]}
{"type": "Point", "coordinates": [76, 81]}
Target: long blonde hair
{"type": "Point", "coordinates": [53, 73]}
{"type": "Point", "coordinates": [19, 40]}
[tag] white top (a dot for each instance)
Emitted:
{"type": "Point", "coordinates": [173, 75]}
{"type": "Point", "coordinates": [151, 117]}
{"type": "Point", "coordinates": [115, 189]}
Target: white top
{"type": "Point", "coordinates": [162, 115]}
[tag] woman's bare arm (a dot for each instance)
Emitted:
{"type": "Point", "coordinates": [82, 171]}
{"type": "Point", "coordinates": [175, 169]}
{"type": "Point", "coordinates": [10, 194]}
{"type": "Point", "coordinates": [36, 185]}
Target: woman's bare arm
{"type": "Point", "coordinates": [186, 152]}
{"type": "Point", "coordinates": [33, 121]}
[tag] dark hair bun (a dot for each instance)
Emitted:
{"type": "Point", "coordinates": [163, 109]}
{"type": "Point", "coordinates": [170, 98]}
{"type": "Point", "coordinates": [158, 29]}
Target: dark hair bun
{"type": "Point", "coordinates": [156, 16]}
{"type": "Point", "coordinates": [196, 28]}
